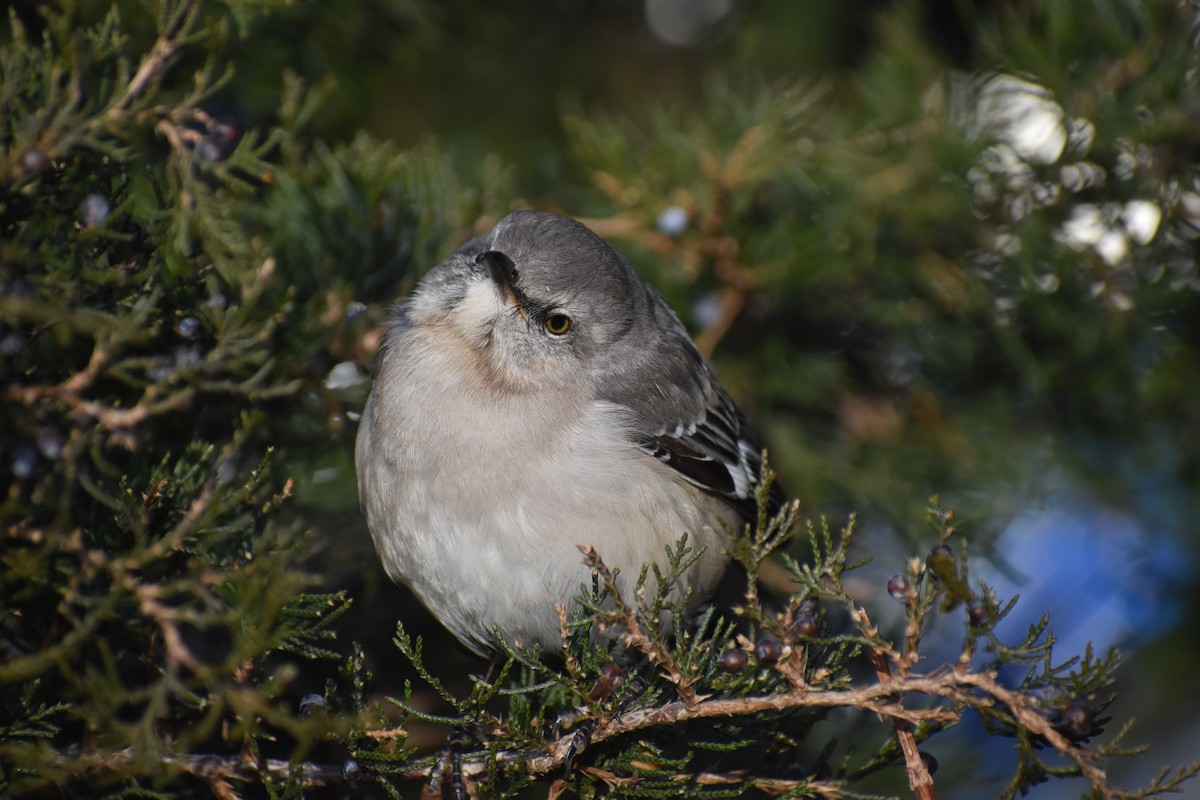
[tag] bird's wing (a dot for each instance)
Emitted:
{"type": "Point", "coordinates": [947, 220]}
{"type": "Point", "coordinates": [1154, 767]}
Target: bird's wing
{"type": "Point", "coordinates": [683, 417]}
{"type": "Point", "coordinates": [715, 449]}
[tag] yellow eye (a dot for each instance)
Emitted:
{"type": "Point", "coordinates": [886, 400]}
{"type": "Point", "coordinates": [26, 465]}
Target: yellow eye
{"type": "Point", "coordinates": [558, 324]}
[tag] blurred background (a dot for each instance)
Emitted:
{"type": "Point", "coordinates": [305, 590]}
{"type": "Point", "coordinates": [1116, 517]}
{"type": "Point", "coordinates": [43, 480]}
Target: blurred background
{"type": "Point", "coordinates": [931, 247]}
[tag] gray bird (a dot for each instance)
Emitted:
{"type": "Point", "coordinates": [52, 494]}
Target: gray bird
{"type": "Point", "coordinates": [534, 395]}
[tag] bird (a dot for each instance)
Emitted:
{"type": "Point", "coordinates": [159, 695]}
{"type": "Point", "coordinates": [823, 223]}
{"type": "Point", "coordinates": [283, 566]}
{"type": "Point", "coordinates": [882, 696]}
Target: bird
{"type": "Point", "coordinates": [532, 397]}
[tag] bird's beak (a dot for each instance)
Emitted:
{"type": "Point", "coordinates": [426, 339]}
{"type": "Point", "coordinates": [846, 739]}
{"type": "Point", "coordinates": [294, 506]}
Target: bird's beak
{"type": "Point", "coordinates": [503, 272]}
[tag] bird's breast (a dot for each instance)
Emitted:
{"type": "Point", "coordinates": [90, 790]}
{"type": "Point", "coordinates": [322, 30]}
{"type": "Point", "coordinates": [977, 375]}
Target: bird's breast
{"type": "Point", "coordinates": [479, 499]}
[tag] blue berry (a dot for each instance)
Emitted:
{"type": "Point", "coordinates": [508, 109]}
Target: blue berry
{"type": "Point", "coordinates": [190, 328]}
{"type": "Point", "coordinates": [94, 210]}
{"type": "Point", "coordinates": [673, 221]}
{"type": "Point", "coordinates": [12, 344]}
{"type": "Point", "coordinates": [313, 703]}
{"type": "Point", "coordinates": [900, 588]}
{"type": "Point", "coordinates": [32, 161]}
{"type": "Point", "coordinates": [50, 443]}
{"type": "Point", "coordinates": [1077, 722]}
{"type": "Point", "coordinates": [24, 462]}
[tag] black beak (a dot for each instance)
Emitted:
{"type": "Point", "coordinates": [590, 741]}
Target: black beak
{"type": "Point", "coordinates": [504, 272]}
{"type": "Point", "coordinates": [501, 268]}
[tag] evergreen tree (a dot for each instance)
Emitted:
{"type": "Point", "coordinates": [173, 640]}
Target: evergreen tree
{"type": "Point", "coordinates": [974, 243]}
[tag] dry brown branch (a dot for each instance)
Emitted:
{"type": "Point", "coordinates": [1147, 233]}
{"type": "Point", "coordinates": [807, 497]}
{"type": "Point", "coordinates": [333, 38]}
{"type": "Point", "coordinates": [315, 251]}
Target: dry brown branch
{"type": "Point", "coordinates": [152, 67]}
{"type": "Point", "coordinates": [1024, 710]}
{"type": "Point", "coordinates": [776, 786]}
{"type": "Point", "coordinates": [633, 635]}
{"type": "Point", "coordinates": [180, 138]}
{"type": "Point", "coordinates": [150, 604]}
{"type": "Point", "coordinates": [960, 689]}
{"type": "Point", "coordinates": [221, 769]}
{"type": "Point", "coordinates": [917, 772]}
{"type": "Point", "coordinates": [951, 685]}
{"type": "Point", "coordinates": [114, 419]}
{"type": "Point", "coordinates": [867, 698]}
{"type": "Point", "coordinates": [155, 62]}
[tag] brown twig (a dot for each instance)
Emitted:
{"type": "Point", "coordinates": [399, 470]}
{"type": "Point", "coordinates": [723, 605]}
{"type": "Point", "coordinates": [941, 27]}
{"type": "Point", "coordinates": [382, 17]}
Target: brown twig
{"type": "Point", "coordinates": [149, 602]}
{"type": "Point", "coordinates": [1024, 710]}
{"type": "Point", "coordinates": [633, 635]}
{"type": "Point", "coordinates": [152, 66]}
{"type": "Point", "coordinates": [976, 690]}
{"type": "Point", "coordinates": [866, 697]}
{"type": "Point", "coordinates": [769, 785]}
{"type": "Point", "coordinates": [155, 62]}
{"type": "Point", "coordinates": [115, 419]}
{"type": "Point", "coordinates": [218, 770]}
{"type": "Point", "coordinates": [917, 772]}
{"type": "Point", "coordinates": [919, 779]}
{"type": "Point", "coordinates": [180, 138]}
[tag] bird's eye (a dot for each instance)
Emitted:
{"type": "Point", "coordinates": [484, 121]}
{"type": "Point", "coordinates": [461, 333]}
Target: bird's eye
{"type": "Point", "coordinates": [558, 324]}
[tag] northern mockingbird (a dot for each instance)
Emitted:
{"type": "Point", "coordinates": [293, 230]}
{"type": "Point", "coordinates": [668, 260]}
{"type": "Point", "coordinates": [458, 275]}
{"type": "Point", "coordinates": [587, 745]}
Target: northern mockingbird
{"type": "Point", "coordinates": [534, 395]}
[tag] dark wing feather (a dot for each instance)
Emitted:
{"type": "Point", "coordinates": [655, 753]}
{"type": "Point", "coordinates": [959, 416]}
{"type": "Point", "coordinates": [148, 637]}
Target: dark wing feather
{"type": "Point", "coordinates": [717, 452]}
{"type": "Point", "coordinates": [684, 418]}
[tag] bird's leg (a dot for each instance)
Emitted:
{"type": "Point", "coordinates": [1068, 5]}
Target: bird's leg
{"type": "Point", "coordinates": [455, 744]}
{"type": "Point", "coordinates": [448, 769]}
{"type": "Point", "coordinates": [451, 759]}
{"type": "Point", "coordinates": [579, 738]}
{"type": "Point", "coordinates": [437, 775]}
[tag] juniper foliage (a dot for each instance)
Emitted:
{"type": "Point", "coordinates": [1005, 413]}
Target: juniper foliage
{"type": "Point", "coordinates": [168, 316]}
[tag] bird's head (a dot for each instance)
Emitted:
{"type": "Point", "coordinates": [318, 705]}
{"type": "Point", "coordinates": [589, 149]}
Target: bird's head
{"type": "Point", "coordinates": [539, 299]}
